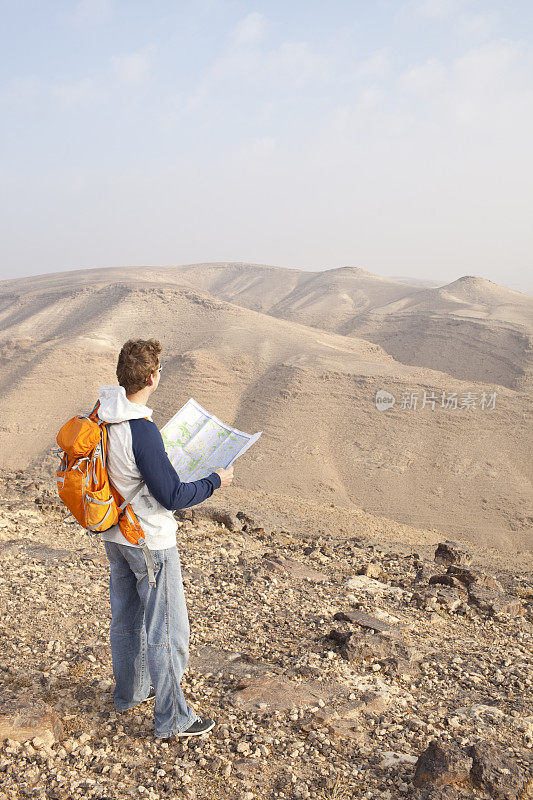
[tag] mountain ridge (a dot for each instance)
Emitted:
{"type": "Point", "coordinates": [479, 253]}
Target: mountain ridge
{"type": "Point", "coordinates": [310, 390]}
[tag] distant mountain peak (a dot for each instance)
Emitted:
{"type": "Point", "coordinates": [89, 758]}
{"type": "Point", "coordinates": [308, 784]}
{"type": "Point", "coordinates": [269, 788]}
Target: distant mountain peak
{"type": "Point", "coordinates": [472, 280]}
{"type": "Point", "coordinates": [354, 271]}
{"type": "Point", "coordinates": [472, 288]}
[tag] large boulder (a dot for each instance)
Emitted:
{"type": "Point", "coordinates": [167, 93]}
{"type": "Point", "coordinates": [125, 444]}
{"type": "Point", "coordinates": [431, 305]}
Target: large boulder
{"type": "Point", "coordinates": [495, 773]}
{"type": "Point", "coordinates": [22, 718]}
{"type": "Point", "coordinates": [469, 577]}
{"type": "Point", "coordinates": [443, 764]}
{"type": "Point", "coordinates": [364, 645]}
{"type": "Point", "coordinates": [494, 603]}
{"type": "Point", "coordinates": [452, 553]}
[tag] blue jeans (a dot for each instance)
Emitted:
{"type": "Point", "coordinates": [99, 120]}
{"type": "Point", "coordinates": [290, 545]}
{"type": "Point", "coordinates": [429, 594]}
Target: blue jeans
{"type": "Point", "coordinates": [149, 634]}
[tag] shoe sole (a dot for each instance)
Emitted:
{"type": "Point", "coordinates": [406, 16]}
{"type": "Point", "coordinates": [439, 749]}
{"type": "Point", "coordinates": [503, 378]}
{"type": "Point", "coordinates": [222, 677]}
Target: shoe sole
{"type": "Point", "coordinates": [196, 733]}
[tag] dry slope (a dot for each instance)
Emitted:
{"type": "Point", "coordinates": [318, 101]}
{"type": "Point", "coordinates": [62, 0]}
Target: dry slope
{"type": "Point", "coordinates": [462, 471]}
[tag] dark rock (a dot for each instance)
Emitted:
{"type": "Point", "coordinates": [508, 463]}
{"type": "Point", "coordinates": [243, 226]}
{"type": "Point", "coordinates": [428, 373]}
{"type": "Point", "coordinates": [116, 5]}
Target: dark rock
{"type": "Point", "coordinates": [421, 598]}
{"type": "Point", "coordinates": [471, 576]}
{"type": "Point", "coordinates": [449, 599]}
{"type": "Point", "coordinates": [452, 553]}
{"type": "Point", "coordinates": [442, 765]}
{"type": "Point", "coordinates": [247, 522]}
{"type": "Point", "coordinates": [494, 603]}
{"type": "Point", "coordinates": [495, 773]}
{"type": "Point", "coordinates": [300, 571]}
{"type": "Point", "coordinates": [447, 580]}
{"type": "Point", "coordinates": [340, 638]}
{"type": "Point", "coordinates": [440, 598]}
{"type": "Point", "coordinates": [272, 565]}
{"type": "Point", "coordinates": [226, 518]}
{"type": "Point", "coordinates": [365, 645]}
{"type": "Point", "coordinates": [291, 566]}
{"type": "Point", "coordinates": [212, 660]}
{"type": "Point", "coordinates": [364, 620]}
{"type": "Point", "coordinates": [520, 587]}
{"type": "Point", "coordinates": [423, 574]}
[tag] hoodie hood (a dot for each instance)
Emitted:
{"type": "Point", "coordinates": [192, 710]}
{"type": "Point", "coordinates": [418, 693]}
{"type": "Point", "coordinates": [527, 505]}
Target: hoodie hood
{"type": "Point", "coordinates": [115, 406]}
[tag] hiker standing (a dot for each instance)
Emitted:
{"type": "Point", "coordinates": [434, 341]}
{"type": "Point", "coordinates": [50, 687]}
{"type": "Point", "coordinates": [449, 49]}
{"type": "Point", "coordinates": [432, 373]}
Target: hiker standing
{"type": "Point", "coordinates": [149, 623]}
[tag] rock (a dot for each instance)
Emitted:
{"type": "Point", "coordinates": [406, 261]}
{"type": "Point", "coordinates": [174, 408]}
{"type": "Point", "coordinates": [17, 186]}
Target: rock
{"type": "Point", "coordinates": [452, 553]}
{"type": "Point", "coordinates": [22, 718]}
{"type": "Point", "coordinates": [370, 701]}
{"type": "Point", "coordinates": [364, 645]}
{"type": "Point", "coordinates": [389, 758]}
{"type": "Point", "coordinates": [494, 772]}
{"type": "Point", "coordinates": [384, 616]}
{"type": "Point", "coordinates": [439, 598]}
{"type": "Point", "coordinates": [494, 603]}
{"type": "Point", "coordinates": [363, 583]}
{"type": "Point", "coordinates": [449, 599]}
{"type": "Point", "coordinates": [479, 711]}
{"type": "Point", "coordinates": [277, 693]}
{"type": "Point", "coordinates": [423, 573]}
{"type": "Point", "coordinates": [47, 739]}
{"type": "Point", "coordinates": [226, 518]}
{"type": "Point", "coordinates": [373, 571]}
{"type": "Point", "coordinates": [272, 565]}
{"type": "Point", "coordinates": [247, 523]}
{"type": "Point", "coordinates": [442, 764]}
{"type": "Point", "coordinates": [346, 728]}
{"type": "Point", "coordinates": [364, 620]}
{"type": "Point", "coordinates": [520, 587]}
{"type": "Point", "coordinates": [471, 576]}
{"type": "Point", "coordinates": [525, 725]}
{"type": "Point", "coordinates": [447, 580]}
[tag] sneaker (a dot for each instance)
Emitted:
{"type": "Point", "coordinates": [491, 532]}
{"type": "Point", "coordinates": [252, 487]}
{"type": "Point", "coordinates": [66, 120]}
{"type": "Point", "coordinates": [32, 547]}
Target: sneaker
{"type": "Point", "coordinates": [151, 695]}
{"type": "Point", "coordinates": [201, 725]}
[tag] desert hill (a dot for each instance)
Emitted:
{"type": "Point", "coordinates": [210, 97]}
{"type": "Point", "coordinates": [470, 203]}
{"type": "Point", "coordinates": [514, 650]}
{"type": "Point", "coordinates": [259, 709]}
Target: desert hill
{"type": "Point", "coordinates": [463, 472]}
{"type": "Point", "coordinates": [471, 329]}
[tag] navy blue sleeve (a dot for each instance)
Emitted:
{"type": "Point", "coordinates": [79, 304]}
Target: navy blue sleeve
{"type": "Point", "coordinates": [158, 473]}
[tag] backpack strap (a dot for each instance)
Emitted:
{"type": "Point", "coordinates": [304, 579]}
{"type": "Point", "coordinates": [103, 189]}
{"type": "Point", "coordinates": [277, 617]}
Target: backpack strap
{"type": "Point", "coordinates": [129, 498]}
{"type": "Point", "coordinates": [148, 558]}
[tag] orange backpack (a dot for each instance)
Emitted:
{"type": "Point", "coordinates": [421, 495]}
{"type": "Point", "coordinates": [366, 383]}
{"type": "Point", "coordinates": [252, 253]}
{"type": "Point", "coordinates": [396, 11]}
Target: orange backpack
{"type": "Point", "coordinates": [83, 483]}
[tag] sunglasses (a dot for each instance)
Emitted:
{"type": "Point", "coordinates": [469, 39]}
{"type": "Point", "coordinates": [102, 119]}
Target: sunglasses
{"type": "Point", "coordinates": [160, 367]}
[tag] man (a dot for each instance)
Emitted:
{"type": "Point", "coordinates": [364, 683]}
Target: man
{"type": "Point", "coordinates": [149, 624]}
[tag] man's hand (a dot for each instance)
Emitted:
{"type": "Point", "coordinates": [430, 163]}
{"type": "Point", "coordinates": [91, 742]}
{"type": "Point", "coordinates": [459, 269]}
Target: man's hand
{"type": "Point", "coordinates": [226, 476]}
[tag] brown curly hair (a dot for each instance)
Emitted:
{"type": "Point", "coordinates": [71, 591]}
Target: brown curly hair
{"type": "Point", "coordinates": [137, 360]}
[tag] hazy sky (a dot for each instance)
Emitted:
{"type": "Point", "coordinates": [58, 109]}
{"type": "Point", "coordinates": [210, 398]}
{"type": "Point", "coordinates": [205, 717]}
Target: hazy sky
{"type": "Point", "coordinates": [393, 136]}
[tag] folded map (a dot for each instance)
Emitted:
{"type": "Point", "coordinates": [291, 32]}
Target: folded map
{"type": "Point", "coordinates": [198, 443]}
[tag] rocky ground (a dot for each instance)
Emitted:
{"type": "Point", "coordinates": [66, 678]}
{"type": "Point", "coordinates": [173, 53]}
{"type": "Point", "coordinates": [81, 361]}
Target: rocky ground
{"type": "Point", "coordinates": [335, 667]}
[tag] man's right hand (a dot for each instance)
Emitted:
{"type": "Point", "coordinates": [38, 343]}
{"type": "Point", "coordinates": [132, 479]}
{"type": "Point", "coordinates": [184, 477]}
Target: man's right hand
{"type": "Point", "coordinates": [226, 476]}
